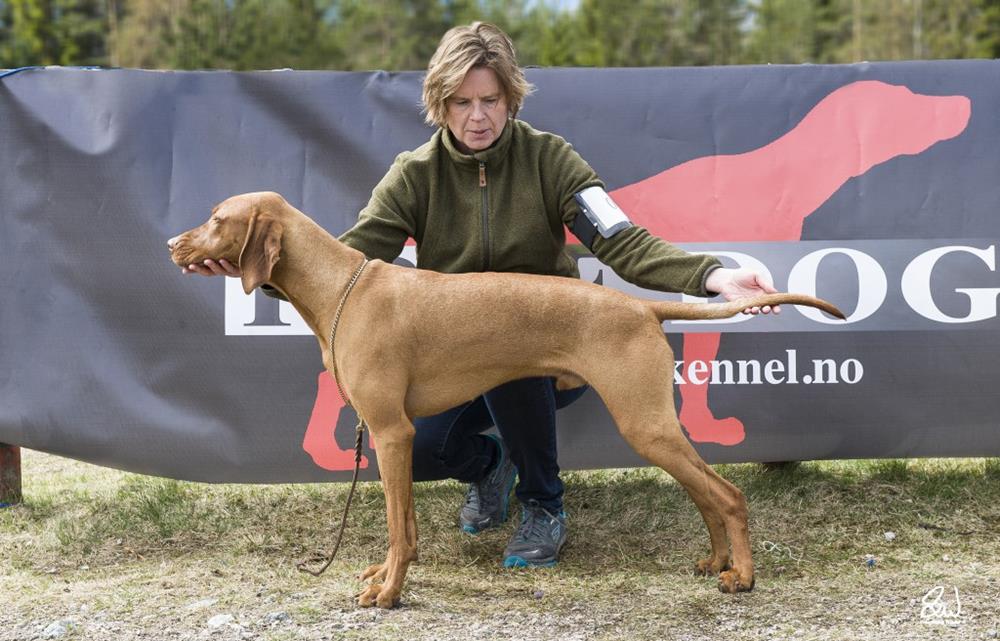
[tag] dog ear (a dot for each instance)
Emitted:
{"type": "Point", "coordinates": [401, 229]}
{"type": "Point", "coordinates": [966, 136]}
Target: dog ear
{"type": "Point", "coordinates": [260, 251]}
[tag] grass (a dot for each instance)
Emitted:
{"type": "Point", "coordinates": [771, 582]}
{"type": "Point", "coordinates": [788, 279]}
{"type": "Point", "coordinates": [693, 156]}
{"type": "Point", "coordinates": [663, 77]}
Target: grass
{"type": "Point", "coordinates": [843, 550]}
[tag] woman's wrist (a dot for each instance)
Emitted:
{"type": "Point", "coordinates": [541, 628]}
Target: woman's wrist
{"type": "Point", "coordinates": [716, 279]}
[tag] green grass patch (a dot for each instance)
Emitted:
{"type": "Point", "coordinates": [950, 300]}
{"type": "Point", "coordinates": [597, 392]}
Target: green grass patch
{"type": "Point", "coordinates": [842, 548]}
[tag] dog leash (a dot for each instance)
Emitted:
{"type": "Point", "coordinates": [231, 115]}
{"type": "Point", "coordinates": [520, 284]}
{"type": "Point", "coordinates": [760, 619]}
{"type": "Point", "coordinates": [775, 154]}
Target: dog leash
{"type": "Point", "coordinates": [333, 329]}
{"type": "Point", "coordinates": [359, 431]}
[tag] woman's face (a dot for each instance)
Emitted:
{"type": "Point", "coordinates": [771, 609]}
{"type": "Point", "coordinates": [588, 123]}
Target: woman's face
{"type": "Point", "coordinates": [477, 111]}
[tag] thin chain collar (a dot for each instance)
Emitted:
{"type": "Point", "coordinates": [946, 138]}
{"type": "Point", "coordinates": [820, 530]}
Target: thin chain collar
{"type": "Point", "coordinates": [333, 330]}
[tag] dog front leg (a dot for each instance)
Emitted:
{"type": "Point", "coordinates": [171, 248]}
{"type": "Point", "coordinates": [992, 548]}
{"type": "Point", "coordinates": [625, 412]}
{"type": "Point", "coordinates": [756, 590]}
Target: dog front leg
{"type": "Point", "coordinates": [395, 462]}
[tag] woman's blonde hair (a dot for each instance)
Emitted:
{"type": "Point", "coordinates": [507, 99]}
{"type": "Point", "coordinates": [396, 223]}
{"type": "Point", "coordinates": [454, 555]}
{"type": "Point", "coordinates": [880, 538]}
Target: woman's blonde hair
{"type": "Point", "coordinates": [479, 44]}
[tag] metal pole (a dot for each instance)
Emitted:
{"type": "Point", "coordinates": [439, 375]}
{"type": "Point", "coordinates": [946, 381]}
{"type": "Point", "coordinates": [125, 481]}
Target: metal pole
{"type": "Point", "coordinates": [10, 475]}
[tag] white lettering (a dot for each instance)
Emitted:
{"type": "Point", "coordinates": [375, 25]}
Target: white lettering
{"type": "Point", "coordinates": [747, 367]}
{"type": "Point", "coordinates": [872, 283]}
{"type": "Point", "coordinates": [824, 370]}
{"type": "Point", "coordinates": [916, 285]}
{"type": "Point", "coordinates": [257, 315]}
{"type": "Point", "coordinates": [851, 371]}
{"type": "Point", "coordinates": [696, 372]}
{"type": "Point", "coordinates": [241, 312]}
{"type": "Point", "coordinates": [717, 368]}
{"type": "Point", "coordinates": [678, 368]}
{"type": "Point", "coordinates": [771, 371]}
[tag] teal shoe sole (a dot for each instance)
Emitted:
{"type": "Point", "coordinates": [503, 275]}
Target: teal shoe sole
{"type": "Point", "coordinates": [518, 562]}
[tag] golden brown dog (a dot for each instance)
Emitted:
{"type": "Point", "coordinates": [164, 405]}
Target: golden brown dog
{"type": "Point", "coordinates": [402, 329]}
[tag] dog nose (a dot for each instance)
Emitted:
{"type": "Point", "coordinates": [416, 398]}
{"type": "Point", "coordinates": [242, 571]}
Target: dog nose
{"type": "Point", "coordinates": [172, 242]}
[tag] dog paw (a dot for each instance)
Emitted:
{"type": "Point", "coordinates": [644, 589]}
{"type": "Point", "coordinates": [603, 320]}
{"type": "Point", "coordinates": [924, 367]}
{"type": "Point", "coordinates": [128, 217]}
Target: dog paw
{"type": "Point", "coordinates": [375, 572]}
{"type": "Point", "coordinates": [378, 595]}
{"type": "Point", "coordinates": [731, 582]}
{"type": "Point", "coordinates": [711, 566]}
{"type": "Point", "coordinates": [387, 599]}
{"type": "Point", "coordinates": [369, 595]}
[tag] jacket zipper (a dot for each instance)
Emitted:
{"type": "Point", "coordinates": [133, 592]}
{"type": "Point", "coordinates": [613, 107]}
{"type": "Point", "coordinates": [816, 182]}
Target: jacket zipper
{"type": "Point", "coordinates": [485, 214]}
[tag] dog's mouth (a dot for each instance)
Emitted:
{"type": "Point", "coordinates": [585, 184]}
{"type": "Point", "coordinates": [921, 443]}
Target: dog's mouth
{"type": "Point", "coordinates": [183, 255]}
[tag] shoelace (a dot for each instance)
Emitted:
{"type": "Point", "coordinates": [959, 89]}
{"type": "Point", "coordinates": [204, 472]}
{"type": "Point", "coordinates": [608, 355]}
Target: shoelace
{"type": "Point", "coordinates": [472, 496]}
{"type": "Point", "coordinates": [533, 525]}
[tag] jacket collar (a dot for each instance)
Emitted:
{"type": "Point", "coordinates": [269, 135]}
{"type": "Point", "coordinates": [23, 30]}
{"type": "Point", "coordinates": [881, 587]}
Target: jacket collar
{"type": "Point", "coordinates": [492, 155]}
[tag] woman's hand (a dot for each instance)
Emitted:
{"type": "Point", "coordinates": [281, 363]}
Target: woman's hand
{"type": "Point", "coordinates": [212, 268]}
{"type": "Point", "coordinates": [734, 284]}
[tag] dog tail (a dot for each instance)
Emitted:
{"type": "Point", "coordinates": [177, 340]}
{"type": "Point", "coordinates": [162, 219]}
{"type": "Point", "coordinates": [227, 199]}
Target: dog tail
{"type": "Point", "coordinates": [671, 310]}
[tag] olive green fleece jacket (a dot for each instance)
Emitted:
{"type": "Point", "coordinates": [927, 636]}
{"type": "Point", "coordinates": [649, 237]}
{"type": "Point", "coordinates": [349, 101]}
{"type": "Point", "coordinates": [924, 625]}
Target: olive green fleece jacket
{"type": "Point", "coordinates": [504, 209]}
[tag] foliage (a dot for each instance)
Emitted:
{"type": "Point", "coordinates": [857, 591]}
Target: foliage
{"type": "Point", "coordinates": [402, 34]}
{"type": "Point", "coordinates": [52, 32]}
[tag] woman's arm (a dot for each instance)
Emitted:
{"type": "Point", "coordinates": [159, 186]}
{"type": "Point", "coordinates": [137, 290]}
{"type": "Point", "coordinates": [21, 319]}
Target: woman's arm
{"type": "Point", "coordinates": [647, 260]}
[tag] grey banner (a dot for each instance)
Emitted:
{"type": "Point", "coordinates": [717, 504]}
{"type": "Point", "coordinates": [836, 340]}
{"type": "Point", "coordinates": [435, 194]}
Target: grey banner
{"type": "Point", "coordinates": [873, 185]}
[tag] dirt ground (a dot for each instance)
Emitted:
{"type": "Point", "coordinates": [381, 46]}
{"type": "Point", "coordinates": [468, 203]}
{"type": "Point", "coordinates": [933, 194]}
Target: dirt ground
{"type": "Point", "coordinates": [843, 551]}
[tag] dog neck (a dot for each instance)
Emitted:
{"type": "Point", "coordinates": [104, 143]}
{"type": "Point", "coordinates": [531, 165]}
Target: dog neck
{"type": "Point", "coordinates": [313, 271]}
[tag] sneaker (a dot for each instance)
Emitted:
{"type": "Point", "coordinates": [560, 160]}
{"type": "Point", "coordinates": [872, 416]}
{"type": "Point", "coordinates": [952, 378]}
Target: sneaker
{"type": "Point", "coordinates": [538, 541]}
{"type": "Point", "coordinates": [487, 501]}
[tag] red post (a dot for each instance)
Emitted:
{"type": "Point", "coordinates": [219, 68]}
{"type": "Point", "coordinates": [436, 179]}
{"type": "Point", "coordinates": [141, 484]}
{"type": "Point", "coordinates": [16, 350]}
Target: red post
{"type": "Point", "coordinates": [10, 475]}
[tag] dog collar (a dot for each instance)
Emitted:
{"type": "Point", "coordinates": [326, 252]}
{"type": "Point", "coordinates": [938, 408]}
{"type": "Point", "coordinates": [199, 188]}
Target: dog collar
{"type": "Point", "coordinates": [333, 329]}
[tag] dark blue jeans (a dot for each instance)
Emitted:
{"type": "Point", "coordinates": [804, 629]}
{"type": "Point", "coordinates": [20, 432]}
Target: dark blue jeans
{"type": "Point", "coordinates": [451, 444]}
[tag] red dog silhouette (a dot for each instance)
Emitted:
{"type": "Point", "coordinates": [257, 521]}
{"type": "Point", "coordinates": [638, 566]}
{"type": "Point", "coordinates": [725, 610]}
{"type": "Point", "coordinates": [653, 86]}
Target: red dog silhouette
{"type": "Point", "coordinates": [764, 194]}
{"type": "Point", "coordinates": [767, 193]}
{"type": "Point", "coordinates": [320, 440]}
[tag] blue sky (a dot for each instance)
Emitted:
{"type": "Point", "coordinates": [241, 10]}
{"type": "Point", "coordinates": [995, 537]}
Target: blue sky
{"type": "Point", "coordinates": [562, 4]}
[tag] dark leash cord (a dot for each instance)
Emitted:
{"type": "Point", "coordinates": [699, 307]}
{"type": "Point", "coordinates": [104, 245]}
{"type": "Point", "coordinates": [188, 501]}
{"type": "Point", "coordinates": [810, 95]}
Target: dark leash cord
{"type": "Point", "coordinates": [301, 566]}
{"type": "Point", "coordinates": [359, 431]}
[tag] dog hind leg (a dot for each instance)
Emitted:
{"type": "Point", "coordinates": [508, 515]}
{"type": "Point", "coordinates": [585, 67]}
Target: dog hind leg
{"type": "Point", "coordinates": [640, 399]}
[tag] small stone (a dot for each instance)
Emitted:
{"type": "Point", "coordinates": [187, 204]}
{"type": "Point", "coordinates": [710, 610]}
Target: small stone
{"type": "Point", "coordinates": [889, 536]}
{"type": "Point", "coordinates": [276, 617]}
{"type": "Point", "coordinates": [220, 620]}
{"type": "Point", "coordinates": [204, 603]}
{"type": "Point", "coordinates": [57, 629]}
{"type": "Point", "coordinates": [539, 594]}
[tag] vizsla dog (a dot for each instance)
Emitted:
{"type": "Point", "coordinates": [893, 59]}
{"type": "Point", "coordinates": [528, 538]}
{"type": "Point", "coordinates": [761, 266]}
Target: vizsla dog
{"type": "Point", "coordinates": [412, 342]}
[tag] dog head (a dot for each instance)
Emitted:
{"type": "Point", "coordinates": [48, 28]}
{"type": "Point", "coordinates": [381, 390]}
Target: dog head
{"type": "Point", "coordinates": [244, 230]}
